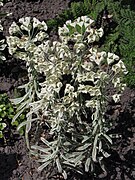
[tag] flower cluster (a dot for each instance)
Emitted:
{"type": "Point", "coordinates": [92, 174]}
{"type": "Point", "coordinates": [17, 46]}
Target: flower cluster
{"type": "Point", "coordinates": [24, 36]}
{"type": "Point", "coordinates": [2, 44]}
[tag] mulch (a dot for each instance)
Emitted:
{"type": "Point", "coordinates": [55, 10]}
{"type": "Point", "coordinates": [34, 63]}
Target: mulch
{"type": "Point", "coordinates": [15, 161]}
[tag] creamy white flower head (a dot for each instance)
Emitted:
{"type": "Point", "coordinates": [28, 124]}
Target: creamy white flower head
{"type": "Point", "coordinates": [1, 27]}
{"type": "Point", "coordinates": [22, 55]}
{"type": "Point", "coordinates": [94, 34]}
{"type": "Point", "coordinates": [14, 28]}
{"type": "Point", "coordinates": [101, 75]}
{"type": "Point", "coordinates": [25, 21]}
{"type": "Point", "coordinates": [116, 81]}
{"type": "Point", "coordinates": [73, 24]}
{"type": "Point", "coordinates": [43, 26]}
{"type": "Point", "coordinates": [45, 46]}
{"type": "Point", "coordinates": [91, 21]}
{"type": "Point", "coordinates": [23, 42]}
{"type": "Point", "coordinates": [116, 97]}
{"type": "Point", "coordinates": [96, 56]}
{"type": "Point", "coordinates": [2, 45]}
{"type": "Point", "coordinates": [119, 67]}
{"type": "Point", "coordinates": [58, 87]}
{"type": "Point", "coordinates": [63, 30]}
{"type": "Point", "coordinates": [69, 89]}
{"type": "Point", "coordinates": [85, 18]}
{"type": "Point", "coordinates": [36, 22]}
{"type": "Point", "coordinates": [60, 31]}
{"type": "Point", "coordinates": [78, 19]}
{"type": "Point", "coordinates": [81, 23]}
{"type": "Point", "coordinates": [111, 57]}
{"type": "Point", "coordinates": [68, 22]}
{"type": "Point", "coordinates": [40, 36]}
{"type": "Point", "coordinates": [79, 47]}
{"type": "Point", "coordinates": [99, 32]}
{"type": "Point", "coordinates": [91, 103]}
{"type": "Point", "coordinates": [12, 42]}
{"type": "Point", "coordinates": [76, 36]}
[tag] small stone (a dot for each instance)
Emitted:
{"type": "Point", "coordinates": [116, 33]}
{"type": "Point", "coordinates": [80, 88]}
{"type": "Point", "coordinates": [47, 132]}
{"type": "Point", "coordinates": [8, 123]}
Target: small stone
{"type": "Point", "coordinates": [5, 86]}
{"type": "Point", "coordinates": [26, 177]}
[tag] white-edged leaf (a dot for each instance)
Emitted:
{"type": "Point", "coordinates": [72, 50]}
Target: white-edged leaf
{"type": "Point", "coordinates": [64, 174]}
{"type": "Point", "coordinates": [28, 126]}
{"type": "Point", "coordinates": [18, 114]}
{"type": "Point", "coordinates": [85, 146]}
{"type": "Point", "coordinates": [94, 150]}
{"type": "Point", "coordinates": [47, 158]}
{"type": "Point", "coordinates": [78, 159]}
{"type": "Point", "coordinates": [34, 110]}
{"type": "Point", "coordinates": [87, 164]}
{"type": "Point", "coordinates": [85, 138]}
{"type": "Point", "coordinates": [26, 122]}
{"type": "Point", "coordinates": [95, 129]}
{"type": "Point", "coordinates": [58, 165]}
{"type": "Point", "coordinates": [46, 142]}
{"type": "Point", "coordinates": [44, 165]}
{"type": "Point", "coordinates": [19, 100]}
{"type": "Point", "coordinates": [106, 155]}
{"type": "Point", "coordinates": [23, 104]}
{"type": "Point", "coordinates": [45, 150]}
{"type": "Point", "coordinates": [107, 138]}
{"type": "Point", "coordinates": [68, 163]}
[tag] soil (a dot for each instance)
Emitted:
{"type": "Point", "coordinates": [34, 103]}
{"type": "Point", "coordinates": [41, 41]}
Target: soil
{"type": "Point", "coordinates": [15, 162]}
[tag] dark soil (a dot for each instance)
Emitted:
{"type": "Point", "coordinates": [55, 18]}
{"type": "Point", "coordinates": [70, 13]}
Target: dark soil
{"type": "Point", "coordinates": [15, 162]}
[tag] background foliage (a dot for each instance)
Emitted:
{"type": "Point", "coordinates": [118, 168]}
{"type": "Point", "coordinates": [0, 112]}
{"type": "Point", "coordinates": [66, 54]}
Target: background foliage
{"type": "Point", "coordinates": [7, 112]}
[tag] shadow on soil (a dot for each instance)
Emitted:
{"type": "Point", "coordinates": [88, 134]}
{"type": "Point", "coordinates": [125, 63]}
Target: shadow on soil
{"type": "Point", "coordinates": [8, 162]}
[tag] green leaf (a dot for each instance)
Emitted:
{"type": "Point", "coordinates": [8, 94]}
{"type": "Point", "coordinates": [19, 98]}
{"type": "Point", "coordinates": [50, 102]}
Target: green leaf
{"type": "Point", "coordinates": [1, 134]}
{"type": "Point", "coordinates": [78, 28]}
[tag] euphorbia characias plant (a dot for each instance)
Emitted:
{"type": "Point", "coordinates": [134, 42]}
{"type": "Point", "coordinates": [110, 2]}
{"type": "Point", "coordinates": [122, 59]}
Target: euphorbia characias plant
{"type": "Point", "coordinates": [72, 99]}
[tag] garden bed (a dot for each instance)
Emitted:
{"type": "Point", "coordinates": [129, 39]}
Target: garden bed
{"type": "Point", "coordinates": [15, 161]}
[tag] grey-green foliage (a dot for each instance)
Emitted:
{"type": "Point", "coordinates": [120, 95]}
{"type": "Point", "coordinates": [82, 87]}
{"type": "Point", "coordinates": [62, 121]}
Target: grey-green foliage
{"type": "Point", "coordinates": [64, 105]}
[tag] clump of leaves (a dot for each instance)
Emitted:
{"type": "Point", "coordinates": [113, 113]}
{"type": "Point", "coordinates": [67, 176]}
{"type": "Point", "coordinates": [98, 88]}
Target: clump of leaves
{"type": "Point", "coordinates": [72, 99]}
{"type": "Point", "coordinates": [6, 112]}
